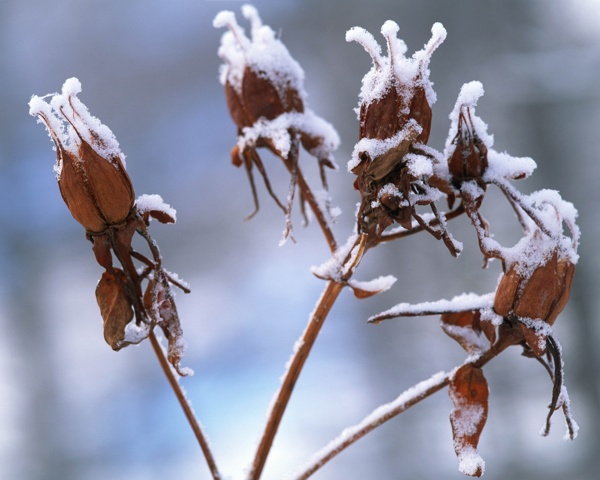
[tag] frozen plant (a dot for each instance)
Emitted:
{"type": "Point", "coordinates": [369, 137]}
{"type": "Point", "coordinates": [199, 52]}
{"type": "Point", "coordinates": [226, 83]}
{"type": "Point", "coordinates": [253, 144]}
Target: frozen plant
{"type": "Point", "coordinates": [91, 176]}
{"type": "Point", "coordinates": [401, 182]}
{"type": "Point", "coordinates": [397, 173]}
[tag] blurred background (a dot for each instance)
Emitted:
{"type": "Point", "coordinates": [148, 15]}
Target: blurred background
{"type": "Point", "coordinates": [71, 408]}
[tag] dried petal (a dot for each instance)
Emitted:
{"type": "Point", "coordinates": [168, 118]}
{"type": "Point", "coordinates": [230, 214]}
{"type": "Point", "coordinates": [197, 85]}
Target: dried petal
{"type": "Point", "coordinates": [115, 307]}
{"type": "Point", "coordinates": [469, 393]}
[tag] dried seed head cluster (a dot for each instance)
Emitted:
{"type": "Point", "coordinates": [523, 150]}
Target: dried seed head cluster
{"type": "Point", "coordinates": [91, 175]}
{"type": "Point", "coordinates": [391, 161]}
{"type": "Point", "coordinates": [395, 172]}
{"type": "Point", "coordinates": [265, 95]}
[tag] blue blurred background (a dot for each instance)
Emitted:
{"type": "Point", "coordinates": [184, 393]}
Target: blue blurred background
{"type": "Point", "coordinates": [70, 408]}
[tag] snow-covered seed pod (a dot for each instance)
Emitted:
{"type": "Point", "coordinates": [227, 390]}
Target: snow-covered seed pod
{"type": "Point", "coordinates": [90, 167]}
{"type": "Point", "coordinates": [528, 298]}
{"type": "Point", "coordinates": [397, 89]}
{"type": "Point", "coordinates": [261, 78]}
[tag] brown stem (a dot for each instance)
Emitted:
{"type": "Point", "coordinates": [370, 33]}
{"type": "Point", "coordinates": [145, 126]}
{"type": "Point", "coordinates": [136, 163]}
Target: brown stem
{"type": "Point", "coordinates": [307, 195]}
{"type": "Point", "coordinates": [185, 406]}
{"type": "Point", "coordinates": [330, 294]}
{"type": "Point", "coordinates": [435, 222]}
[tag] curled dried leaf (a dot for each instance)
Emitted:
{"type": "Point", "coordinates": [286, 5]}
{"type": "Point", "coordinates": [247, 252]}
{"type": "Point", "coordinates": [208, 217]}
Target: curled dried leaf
{"type": "Point", "coordinates": [115, 307]}
{"type": "Point", "coordinates": [467, 329]}
{"type": "Point", "coordinates": [469, 393]}
{"type": "Point", "coordinates": [159, 302]}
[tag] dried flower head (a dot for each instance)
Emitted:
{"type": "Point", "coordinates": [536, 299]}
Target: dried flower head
{"type": "Point", "coordinates": [265, 95]}
{"type": "Point", "coordinates": [90, 168]}
{"type": "Point", "coordinates": [467, 152]}
{"type": "Point", "coordinates": [392, 164]}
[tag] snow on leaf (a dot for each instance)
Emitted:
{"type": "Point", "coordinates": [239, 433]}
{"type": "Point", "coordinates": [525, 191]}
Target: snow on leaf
{"type": "Point", "coordinates": [155, 206]}
{"type": "Point", "coordinates": [366, 289]}
{"type": "Point", "coordinates": [459, 303]}
{"type": "Point", "coordinates": [466, 328]}
{"type": "Point", "coordinates": [469, 393]}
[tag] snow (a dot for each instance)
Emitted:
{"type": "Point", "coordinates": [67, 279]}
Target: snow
{"type": "Point", "coordinates": [377, 285]}
{"type": "Point", "coordinates": [475, 342]}
{"type": "Point", "coordinates": [333, 267]}
{"type": "Point", "coordinates": [459, 303]}
{"type": "Point", "coordinates": [469, 461]}
{"type": "Point", "coordinates": [69, 122]}
{"type": "Point", "coordinates": [134, 334]}
{"type": "Point", "coordinates": [278, 130]}
{"type": "Point", "coordinates": [154, 203]}
{"type": "Point", "coordinates": [263, 53]}
{"type": "Point", "coordinates": [375, 147]}
{"type": "Point", "coordinates": [395, 68]}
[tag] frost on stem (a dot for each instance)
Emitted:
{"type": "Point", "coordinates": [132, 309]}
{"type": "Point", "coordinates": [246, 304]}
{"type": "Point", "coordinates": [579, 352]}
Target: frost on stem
{"type": "Point", "coordinates": [91, 175]}
{"type": "Point", "coordinates": [265, 95]}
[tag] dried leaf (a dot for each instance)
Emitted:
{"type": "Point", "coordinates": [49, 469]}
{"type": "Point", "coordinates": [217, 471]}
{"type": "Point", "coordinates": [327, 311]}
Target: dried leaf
{"type": "Point", "coordinates": [115, 307]}
{"type": "Point", "coordinates": [466, 329]}
{"type": "Point", "coordinates": [158, 301]}
{"type": "Point", "coordinates": [373, 287]}
{"type": "Point", "coordinates": [469, 393]}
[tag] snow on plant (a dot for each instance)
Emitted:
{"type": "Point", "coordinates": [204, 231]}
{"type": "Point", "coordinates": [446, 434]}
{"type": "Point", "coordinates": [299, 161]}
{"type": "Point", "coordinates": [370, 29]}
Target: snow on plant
{"type": "Point", "coordinates": [397, 174]}
{"type": "Point", "coordinates": [265, 95]}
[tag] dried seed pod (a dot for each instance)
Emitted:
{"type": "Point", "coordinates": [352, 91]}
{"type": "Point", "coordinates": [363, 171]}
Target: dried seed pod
{"type": "Point", "coordinates": [90, 166]}
{"type": "Point", "coordinates": [527, 294]}
{"type": "Point", "coordinates": [469, 160]}
{"type": "Point", "coordinates": [261, 78]}
{"type": "Point", "coordinates": [397, 89]}
{"type": "Point", "coordinates": [265, 95]}
{"type": "Point", "coordinates": [390, 160]}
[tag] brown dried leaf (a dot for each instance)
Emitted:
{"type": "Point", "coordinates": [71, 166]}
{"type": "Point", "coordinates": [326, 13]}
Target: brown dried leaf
{"type": "Point", "coordinates": [115, 307]}
{"type": "Point", "coordinates": [157, 300]}
{"type": "Point", "coordinates": [466, 329]}
{"type": "Point", "coordinates": [469, 393]}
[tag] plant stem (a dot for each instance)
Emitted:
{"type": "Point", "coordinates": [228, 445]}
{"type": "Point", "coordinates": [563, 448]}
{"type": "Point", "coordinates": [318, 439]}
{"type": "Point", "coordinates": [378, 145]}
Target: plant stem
{"type": "Point", "coordinates": [307, 195]}
{"type": "Point", "coordinates": [330, 294]}
{"type": "Point", "coordinates": [377, 418]}
{"type": "Point", "coordinates": [186, 407]}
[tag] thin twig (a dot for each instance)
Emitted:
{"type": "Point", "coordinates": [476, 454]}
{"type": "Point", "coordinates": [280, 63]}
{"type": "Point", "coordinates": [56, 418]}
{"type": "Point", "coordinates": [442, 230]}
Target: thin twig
{"type": "Point", "coordinates": [185, 406]}
{"type": "Point", "coordinates": [307, 195]}
{"type": "Point", "coordinates": [435, 222]}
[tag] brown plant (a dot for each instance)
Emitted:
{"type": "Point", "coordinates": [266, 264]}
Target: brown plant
{"type": "Point", "coordinates": [265, 95]}
{"type": "Point", "coordinates": [396, 174]}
